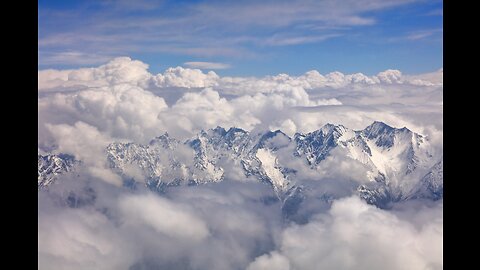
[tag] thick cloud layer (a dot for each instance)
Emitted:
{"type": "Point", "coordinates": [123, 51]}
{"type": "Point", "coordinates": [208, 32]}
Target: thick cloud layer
{"type": "Point", "coordinates": [88, 220]}
{"type": "Point", "coordinates": [211, 227]}
{"type": "Point", "coordinates": [353, 235]}
{"type": "Point", "coordinates": [228, 226]}
{"type": "Point", "coordinates": [122, 99]}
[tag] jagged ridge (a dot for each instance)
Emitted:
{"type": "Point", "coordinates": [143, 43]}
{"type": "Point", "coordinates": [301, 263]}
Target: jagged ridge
{"type": "Point", "coordinates": [401, 166]}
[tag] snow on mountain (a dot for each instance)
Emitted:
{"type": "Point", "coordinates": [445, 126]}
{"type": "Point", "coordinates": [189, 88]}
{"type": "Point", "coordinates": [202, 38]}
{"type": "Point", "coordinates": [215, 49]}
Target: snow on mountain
{"type": "Point", "coordinates": [399, 162]}
{"type": "Point", "coordinates": [273, 172]}
{"type": "Point", "coordinates": [431, 185]}
{"type": "Point", "coordinates": [50, 166]}
{"type": "Point", "coordinates": [398, 158]}
{"type": "Point", "coordinates": [315, 146]}
{"type": "Point", "coordinates": [163, 162]}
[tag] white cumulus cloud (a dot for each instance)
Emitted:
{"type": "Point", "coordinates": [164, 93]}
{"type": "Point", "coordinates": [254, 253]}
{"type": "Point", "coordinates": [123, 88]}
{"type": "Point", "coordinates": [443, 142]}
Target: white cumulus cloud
{"type": "Point", "coordinates": [354, 235]}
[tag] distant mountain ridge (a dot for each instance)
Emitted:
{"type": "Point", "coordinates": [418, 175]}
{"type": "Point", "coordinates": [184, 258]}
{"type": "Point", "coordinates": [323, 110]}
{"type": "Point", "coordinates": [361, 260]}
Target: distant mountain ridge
{"type": "Point", "coordinates": [399, 161]}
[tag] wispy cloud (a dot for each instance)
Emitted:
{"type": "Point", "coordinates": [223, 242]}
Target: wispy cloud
{"type": "Point", "coordinates": [201, 29]}
{"type": "Point", "coordinates": [143, 5]}
{"type": "Point", "coordinates": [72, 58]}
{"type": "Point", "coordinates": [279, 40]}
{"type": "Point", "coordinates": [206, 65]}
{"type": "Point", "coordinates": [417, 35]}
{"type": "Point", "coordinates": [435, 12]}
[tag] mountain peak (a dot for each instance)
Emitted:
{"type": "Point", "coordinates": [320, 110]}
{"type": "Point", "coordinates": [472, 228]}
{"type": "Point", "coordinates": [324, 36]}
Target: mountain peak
{"type": "Point", "coordinates": [164, 136]}
{"type": "Point", "coordinates": [219, 130]}
{"type": "Point", "coordinates": [165, 140]}
{"type": "Point", "coordinates": [235, 130]}
{"type": "Point", "coordinates": [222, 132]}
{"type": "Point", "coordinates": [329, 125]}
{"type": "Point", "coordinates": [256, 154]}
{"type": "Point", "coordinates": [331, 128]}
{"type": "Point", "coordinates": [378, 128]}
{"type": "Point", "coordinates": [51, 165]}
{"type": "Point", "coordinates": [378, 125]}
{"type": "Point", "coordinates": [272, 135]}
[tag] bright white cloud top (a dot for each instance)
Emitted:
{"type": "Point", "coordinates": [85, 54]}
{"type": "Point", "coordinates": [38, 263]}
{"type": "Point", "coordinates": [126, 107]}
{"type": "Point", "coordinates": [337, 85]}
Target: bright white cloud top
{"type": "Point", "coordinates": [203, 99]}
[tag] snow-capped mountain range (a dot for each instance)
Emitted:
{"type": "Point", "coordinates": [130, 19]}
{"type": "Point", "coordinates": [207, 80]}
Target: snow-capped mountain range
{"type": "Point", "coordinates": [398, 163]}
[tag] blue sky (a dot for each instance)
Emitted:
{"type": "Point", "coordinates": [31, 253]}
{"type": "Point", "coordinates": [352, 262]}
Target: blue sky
{"type": "Point", "coordinates": [245, 38]}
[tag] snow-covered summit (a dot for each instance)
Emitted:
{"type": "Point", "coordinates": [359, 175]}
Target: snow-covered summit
{"type": "Point", "coordinates": [398, 161]}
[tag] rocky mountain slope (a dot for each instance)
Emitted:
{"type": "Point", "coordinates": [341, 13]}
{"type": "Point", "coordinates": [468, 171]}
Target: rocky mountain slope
{"type": "Point", "coordinates": [399, 164]}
